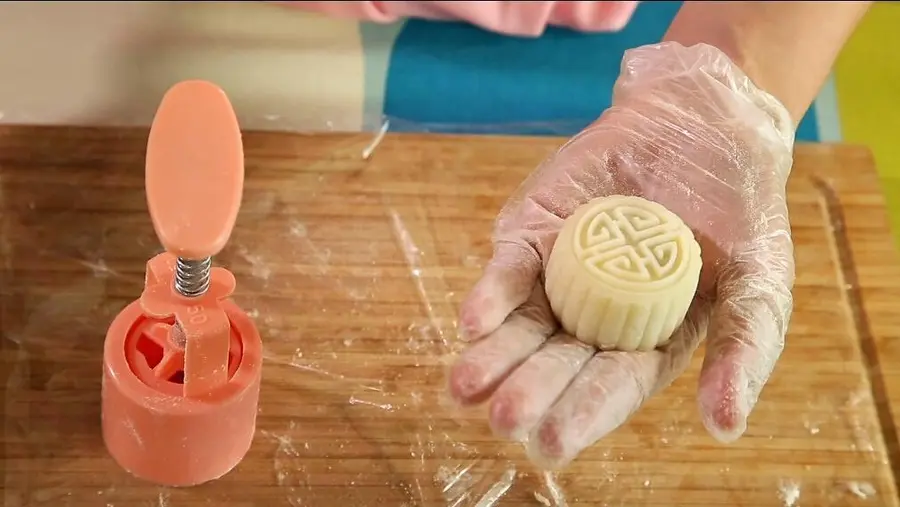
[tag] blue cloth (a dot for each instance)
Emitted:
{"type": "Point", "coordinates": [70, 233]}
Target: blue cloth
{"type": "Point", "coordinates": [456, 78]}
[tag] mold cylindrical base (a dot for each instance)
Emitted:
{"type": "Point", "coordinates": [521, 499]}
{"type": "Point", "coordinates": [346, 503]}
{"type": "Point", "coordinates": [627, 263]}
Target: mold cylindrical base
{"type": "Point", "coordinates": [162, 437]}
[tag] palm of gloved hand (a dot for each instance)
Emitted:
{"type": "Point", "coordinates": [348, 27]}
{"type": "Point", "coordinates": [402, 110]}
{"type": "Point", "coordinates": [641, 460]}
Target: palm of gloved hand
{"type": "Point", "coordinates": [688, 131]}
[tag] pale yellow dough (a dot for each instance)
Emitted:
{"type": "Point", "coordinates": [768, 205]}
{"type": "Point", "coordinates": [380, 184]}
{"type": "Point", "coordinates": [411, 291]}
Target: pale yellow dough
{"type": "Point", "coordinates": [623, 273]}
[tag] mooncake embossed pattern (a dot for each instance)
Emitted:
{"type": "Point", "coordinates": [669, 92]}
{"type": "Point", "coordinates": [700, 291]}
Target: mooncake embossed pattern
{"type": "Point", "coordinates": [623, 273]}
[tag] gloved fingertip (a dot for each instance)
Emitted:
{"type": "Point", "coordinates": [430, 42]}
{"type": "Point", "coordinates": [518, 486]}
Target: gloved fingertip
{"type": "Point", "coordinates": [465, 382]}
{"type": "Point", "coordinates": [505, 416]}
{"type": "Point", "coordinates": [546, 447]}
{"type": "Point", "coordinates": [478, 314]}
{"type": "Point", "coordinates": [506, 283]}
{"type": "Point", "coordinates": [723, 422]}
{"type": "Point", "coordinates": [722, 397]}
{"type": "Point", "coordinates": [488, 306]}
{"type": "Point", "coordinates": [470, 327]}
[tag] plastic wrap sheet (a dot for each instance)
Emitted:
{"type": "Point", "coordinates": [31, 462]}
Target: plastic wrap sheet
{"type": "Point", "coordinates": [353, 271]}
{"type": "Point", "coordinates": [354, 285]}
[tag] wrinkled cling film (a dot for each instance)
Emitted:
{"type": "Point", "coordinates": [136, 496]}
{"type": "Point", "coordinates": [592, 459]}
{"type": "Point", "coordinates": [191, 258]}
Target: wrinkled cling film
{"type": "Point", "coordinates": [448, 469]}
{"type": "Point", "coordinates": [325, 402]}
{"type": "Point", "coordinates": [352, 409]}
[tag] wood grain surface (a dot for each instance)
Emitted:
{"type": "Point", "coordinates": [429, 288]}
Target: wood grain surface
{"type": "Point", "coordinates": [353, 270]}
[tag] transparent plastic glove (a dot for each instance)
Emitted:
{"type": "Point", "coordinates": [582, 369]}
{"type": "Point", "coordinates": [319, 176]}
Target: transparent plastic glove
{"type": "Point", "coordinates": [688, 130]}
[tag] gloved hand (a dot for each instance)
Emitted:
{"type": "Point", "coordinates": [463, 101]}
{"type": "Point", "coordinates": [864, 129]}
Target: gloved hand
{"type": "Point", "coordinates": [688, 130]}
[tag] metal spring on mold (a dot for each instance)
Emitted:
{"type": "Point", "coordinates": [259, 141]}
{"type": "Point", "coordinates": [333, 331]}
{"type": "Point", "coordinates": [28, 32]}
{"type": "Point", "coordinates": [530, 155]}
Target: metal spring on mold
{"type": "Point", "coordinates": [192, 276]}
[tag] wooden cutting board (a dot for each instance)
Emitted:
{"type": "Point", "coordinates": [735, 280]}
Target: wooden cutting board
{"type": "Point", "coordinates": [353, 270]}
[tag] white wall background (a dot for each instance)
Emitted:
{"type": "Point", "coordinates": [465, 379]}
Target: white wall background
{"type": "Point", "coordinates": [108, 63]}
